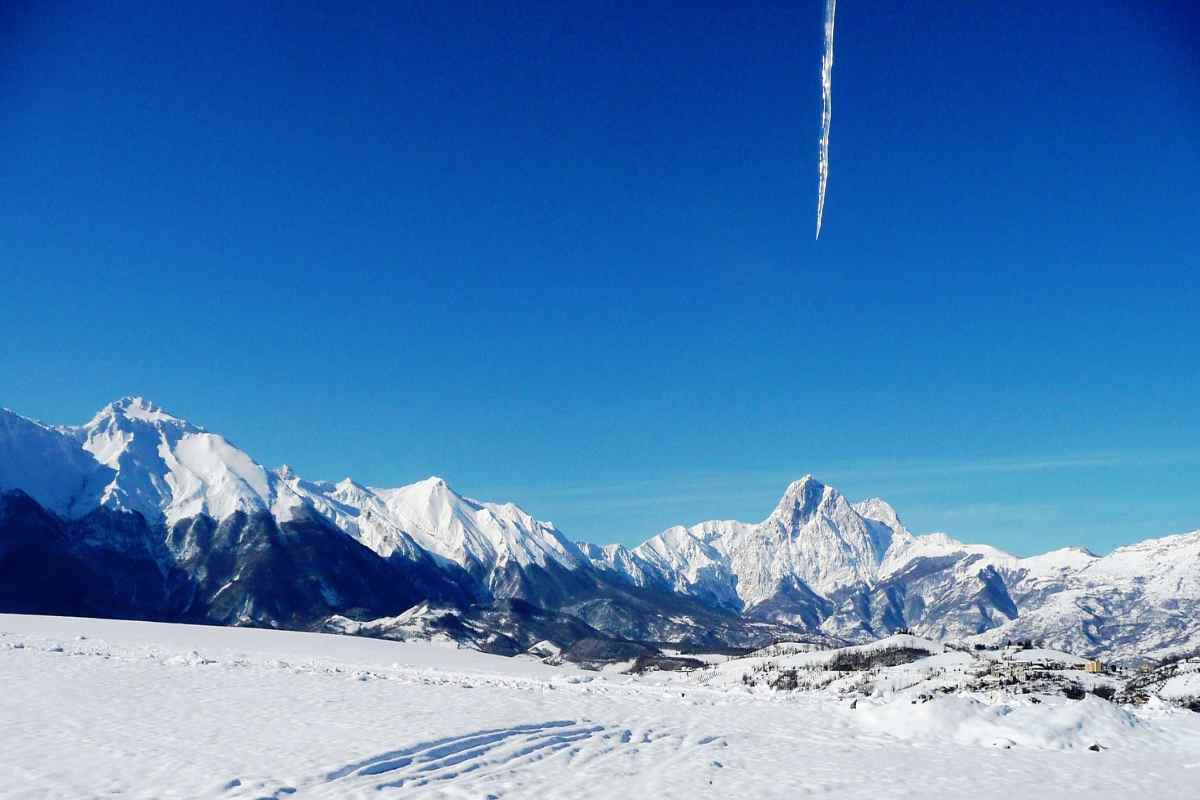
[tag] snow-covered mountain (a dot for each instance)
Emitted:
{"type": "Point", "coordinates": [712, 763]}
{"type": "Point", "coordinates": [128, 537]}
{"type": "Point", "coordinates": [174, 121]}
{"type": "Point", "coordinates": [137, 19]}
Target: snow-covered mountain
{"type": "Point", "coordinates": [243, 544]}
{"type": "Point", "coordinates": [134, 456]}
{"type": "Point", "coordinates": [495, 543]}
{"type": "Point", "coordinates": [137, 491]}
{"type": "Point", "coordinates": [855, 571]}
{"type": "Point", "coordinates": [813, 547]}
{"type": "Point", "coordinates": [1141, 599]}
{"type": "Point", "coordinates": [167, 469]}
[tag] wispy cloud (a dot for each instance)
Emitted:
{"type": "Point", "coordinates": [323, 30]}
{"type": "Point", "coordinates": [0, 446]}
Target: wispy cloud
{"type": "Point", "coordinates": [990, 511]}
{"type": "Point", "coordinates": [725, 495]}
{"type": "Point", "coordinates": [776, 479]}
{"type": "Point", "coordinates": [972, 499]}
{"type": "Point", "coordinates": [897, 469]}
{"type": "Point", "coordinates": [678, 500]}
{"type": "Point", "coordinates": [590, 490]}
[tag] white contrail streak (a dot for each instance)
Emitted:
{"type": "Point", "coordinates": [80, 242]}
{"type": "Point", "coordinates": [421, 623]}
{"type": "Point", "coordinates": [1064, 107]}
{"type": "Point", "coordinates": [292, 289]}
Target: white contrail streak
{"type": "Point", "coordinates": [826, 111]}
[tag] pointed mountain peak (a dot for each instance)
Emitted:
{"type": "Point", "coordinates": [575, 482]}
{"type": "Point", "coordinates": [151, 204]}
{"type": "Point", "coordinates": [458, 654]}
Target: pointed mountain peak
{"type": "Point", "coordinates": [434, 486]}
{"type": "Point", "coordinates": [880, 510]}
{"type": "Point", "coordinates": [806, 483]}
{"type": "Point", "coordinates": [134, 407]}
{"type": "Point", "coordinates": [430, 501]}
{"type": "Point", "coordinates": [134, 401]}
{"type": "Point", "coordinates": [348, 486]}
{"type": "Point", "coordinates": [803, 498]}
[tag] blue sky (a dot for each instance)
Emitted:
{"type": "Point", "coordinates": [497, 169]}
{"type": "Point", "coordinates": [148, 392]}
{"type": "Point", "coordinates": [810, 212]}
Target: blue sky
{"type": "Point", "coordinates": [565, 257]}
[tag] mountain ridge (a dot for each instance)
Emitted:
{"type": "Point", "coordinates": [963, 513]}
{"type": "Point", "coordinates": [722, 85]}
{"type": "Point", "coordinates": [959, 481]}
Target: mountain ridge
{"type": "Point", "coordinates": [816, 563]}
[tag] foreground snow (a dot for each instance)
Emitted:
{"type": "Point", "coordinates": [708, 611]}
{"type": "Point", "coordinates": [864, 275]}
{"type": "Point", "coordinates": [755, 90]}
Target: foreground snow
{"type": "Point", "coordinates": [97, 708]}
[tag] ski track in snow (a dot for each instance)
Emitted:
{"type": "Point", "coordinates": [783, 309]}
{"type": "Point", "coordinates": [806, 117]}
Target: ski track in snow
{"type": "Point", "coordinates": [170, 711]}
{"type": "Point", "coordinates": [487, 759]}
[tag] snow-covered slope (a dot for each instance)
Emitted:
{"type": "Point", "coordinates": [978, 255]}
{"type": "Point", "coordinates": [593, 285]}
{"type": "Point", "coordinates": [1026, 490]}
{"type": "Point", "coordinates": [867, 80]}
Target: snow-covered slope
{"type": "Point", "coordinates": [140, 710]}
{"type": "Point", "coordinates": [134, 456]}
{"type": "Point", "coordinates": [491, 541]}
{"type": "Point", "coordinates": [49, 466]}
{"type": "Point", "coordinates": [475, 534]}
{"type": "Point", "coordinates": [166, 468]}
{"type": "Point", "coordinates": [680, 560]}
{"type": "Point", "coordinates": [1141, 600]}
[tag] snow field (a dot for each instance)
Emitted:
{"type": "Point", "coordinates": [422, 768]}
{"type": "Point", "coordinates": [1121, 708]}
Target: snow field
{"type": "Point", "coordinates": [98, 708]}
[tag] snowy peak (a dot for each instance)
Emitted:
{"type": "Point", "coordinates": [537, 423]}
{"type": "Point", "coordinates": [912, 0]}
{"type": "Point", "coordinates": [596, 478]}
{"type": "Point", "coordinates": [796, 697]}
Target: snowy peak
{"type": "Point", "coordinates": [820, 520]}
{"type": "Point", "coordinates": [880, 510]}
{"type": "Point", "coordinates": [488, 540]}
{"type": "Point", "coordinates": [809, 553]}
{"type": "Point", "coordinates": [138, 409]}
{"type": "Point", "coordinates": [814, 542]}
{"type": "Point", "coordinates": [429, 505]}
{"type": "Point", "coordinates": [133, 455]}
{"type": "Point", "coordinates": [802, 500]}
{"type": "Point", "coordinates": [678, 549]}
{"type": "Point", "coordinates": [1057, 562]}
{"type": "Point", "coordinates": [1166, 565]}
{"type": "Point", "coordinates": [478, 535]}
{"type": "Point", "coordinates": [169, 469]}
{"type": "Point", "coordinates": [689, 561]}
{"type": "Point", "coordinates": [813, 537]}
{"type": "Point", "coordinates": [128, 433]}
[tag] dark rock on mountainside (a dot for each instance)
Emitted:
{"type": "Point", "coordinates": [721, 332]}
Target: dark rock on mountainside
{"type": "Point", "coordinates": [245, 570]}
{"type": "Point", "coordinates": [107, 564]}
{"type": "Point", "coordinates": [249, 570]}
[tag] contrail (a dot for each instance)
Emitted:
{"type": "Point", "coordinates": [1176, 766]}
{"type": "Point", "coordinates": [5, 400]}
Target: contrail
{"type": "Point", "coordinates": [826, 110]}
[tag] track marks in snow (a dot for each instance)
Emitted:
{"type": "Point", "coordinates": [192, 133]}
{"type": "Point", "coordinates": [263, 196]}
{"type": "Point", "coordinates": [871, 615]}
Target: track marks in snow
{"type": "Point", "coordinates": [476, 759]}
{"type": "Point", "coordinates": [473, 749]}
{"type": "Point", "coordinates": [571, 758]}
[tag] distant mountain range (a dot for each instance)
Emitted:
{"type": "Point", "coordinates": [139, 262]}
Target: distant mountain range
{"type": "Point", "coordinates": [141, 514]}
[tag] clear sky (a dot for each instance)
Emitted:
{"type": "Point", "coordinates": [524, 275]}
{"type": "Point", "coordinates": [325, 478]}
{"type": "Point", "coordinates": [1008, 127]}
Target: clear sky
{"type": "Point", "coordinates": [562, 254]}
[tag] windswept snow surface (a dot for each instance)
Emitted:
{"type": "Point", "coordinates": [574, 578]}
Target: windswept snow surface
{"type": "Point", "coordinates": [97, 708]}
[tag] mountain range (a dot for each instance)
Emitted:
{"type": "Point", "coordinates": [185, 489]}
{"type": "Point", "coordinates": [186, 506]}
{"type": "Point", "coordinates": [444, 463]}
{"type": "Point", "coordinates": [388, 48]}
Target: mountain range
{"type": "Point", "coordinates": [141, 514]}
